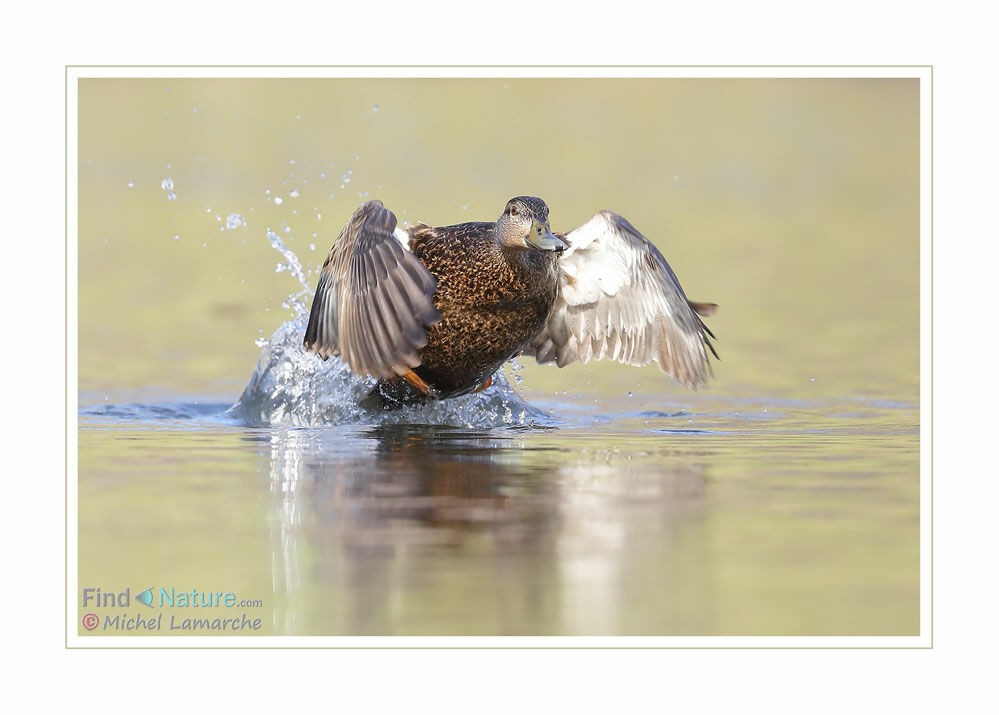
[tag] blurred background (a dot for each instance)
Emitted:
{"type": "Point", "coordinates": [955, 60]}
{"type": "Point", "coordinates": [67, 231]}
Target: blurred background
{"type": "Point", "coordinates": [783, 499]}
{"type": "Point", "coordinates": [792, 203]}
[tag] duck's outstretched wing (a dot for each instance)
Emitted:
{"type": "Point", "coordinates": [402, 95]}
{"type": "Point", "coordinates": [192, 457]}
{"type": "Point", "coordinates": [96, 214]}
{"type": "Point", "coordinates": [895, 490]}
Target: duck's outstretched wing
{"type": "Point", "coordinates": [619, 299]}
{"type": "Point", "coordinates": [374, 298]}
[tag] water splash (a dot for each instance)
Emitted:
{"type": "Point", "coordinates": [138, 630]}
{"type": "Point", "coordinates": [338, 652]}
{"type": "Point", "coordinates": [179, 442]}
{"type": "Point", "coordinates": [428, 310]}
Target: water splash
{"type": "Point", "coordinates": [291, 387]}
{"type": "Point", "coordinates": [294, 388]}
{"type": "Point", "coordinates": [296, 301]}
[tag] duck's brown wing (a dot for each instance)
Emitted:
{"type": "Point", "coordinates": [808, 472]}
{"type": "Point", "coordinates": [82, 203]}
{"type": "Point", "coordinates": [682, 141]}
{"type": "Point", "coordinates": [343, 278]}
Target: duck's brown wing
{"type": "Point", "coordinates": [619, 299]}
{"type": "Point", "coordinates": [374, 298]}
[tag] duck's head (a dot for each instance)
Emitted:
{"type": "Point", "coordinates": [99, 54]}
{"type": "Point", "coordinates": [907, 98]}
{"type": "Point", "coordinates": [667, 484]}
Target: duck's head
{"type": "Point", "coordinates": [524, 226]}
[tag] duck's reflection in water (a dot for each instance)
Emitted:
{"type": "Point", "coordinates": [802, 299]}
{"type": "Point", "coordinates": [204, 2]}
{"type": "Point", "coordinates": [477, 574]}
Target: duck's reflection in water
{"type": "Point", "coordinates": [434, 531]}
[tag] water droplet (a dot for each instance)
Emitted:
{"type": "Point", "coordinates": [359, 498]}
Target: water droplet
{"type": "Point", "coordinates": [194, 109]}
{"type": "Point", "coordinates": [319, 217]}
{"type": "Point", "coordinates": [630, 395]}
{"type": "Point", "coordinates": [812, 379]}
{"type": "Point", "coordinates": [312, 246]}
{"type": "Point", "coordinates": [233, 221]}
{"type": "Point", "coordinates": [374, 108]}
{"type": "Point", "coordinates": [675, 177]}
{"type": "Point", "coordinates": [294, 193]}
{"type": "Point", "coordinates": [176, 237]}
{"type": "Point", "coordinates": [260, 342]}
{"type": "Point", "coordinates": [278, 201]}
{"type": "Point", "coordinates": [287, 229]}
{"type": "Point", "coordinates": [171, 196]}
{"type": "Point", "coordinates": [166, 184]}
{"type": "Point", "coordinates": [131, 184]}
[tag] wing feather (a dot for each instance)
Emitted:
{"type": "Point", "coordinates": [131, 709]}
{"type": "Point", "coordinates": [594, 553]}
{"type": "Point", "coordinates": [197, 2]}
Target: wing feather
{"type": "Point", "coordinates": [374, 299]}
{"type": "Point", "coordinates": [619, 299]}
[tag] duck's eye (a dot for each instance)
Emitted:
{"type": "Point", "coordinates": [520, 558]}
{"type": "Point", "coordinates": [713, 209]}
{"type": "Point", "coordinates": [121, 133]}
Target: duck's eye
{"type": "Point", "coordinates": [539, 230]}
{"type": "Point", "coordinates": [513, 210]}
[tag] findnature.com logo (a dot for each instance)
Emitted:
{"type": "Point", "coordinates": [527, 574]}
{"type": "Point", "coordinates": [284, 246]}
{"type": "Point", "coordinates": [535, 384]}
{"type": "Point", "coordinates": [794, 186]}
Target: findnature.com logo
{"type": "Point", "coordinates": [163, 597]}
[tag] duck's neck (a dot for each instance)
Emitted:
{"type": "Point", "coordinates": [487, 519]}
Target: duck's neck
{"type": "Point", "coordinates": [530, 267]}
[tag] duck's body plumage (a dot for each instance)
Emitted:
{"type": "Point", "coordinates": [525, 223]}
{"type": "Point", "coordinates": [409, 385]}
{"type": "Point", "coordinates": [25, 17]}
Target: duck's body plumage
{"type": "Point", "coordinates": [433, 312]}
{"type": "Point", "coordinates": [492, 302]}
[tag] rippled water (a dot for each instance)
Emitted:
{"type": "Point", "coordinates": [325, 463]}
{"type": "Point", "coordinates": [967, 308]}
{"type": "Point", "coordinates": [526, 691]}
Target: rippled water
{"type": "Point", "coordinates": [216, 455]}
{"type": "Point", "coordinates": [711, 518]}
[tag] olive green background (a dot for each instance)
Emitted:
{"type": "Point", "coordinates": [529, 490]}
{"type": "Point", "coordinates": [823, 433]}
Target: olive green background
{"type": "Point", "coordinates": [793, 203]}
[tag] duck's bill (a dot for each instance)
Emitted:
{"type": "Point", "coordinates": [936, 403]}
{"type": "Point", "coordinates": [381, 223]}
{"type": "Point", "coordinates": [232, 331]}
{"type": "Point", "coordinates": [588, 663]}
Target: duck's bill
{"type": "Point", "coordinates": [546, 241]}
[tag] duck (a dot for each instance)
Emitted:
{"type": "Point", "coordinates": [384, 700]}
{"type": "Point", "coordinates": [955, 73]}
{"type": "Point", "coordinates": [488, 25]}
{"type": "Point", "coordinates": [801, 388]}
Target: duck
{"type": "Point", "coordinates": [432, 312]}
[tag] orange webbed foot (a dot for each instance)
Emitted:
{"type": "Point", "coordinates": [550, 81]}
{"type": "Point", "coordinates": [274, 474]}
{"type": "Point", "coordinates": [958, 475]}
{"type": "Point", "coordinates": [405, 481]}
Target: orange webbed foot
{"type": "Point", "coordinates": [416, 381]}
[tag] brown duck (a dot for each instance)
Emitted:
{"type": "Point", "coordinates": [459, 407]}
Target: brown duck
{"type": "Point", "coordinates": [433, 312]}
